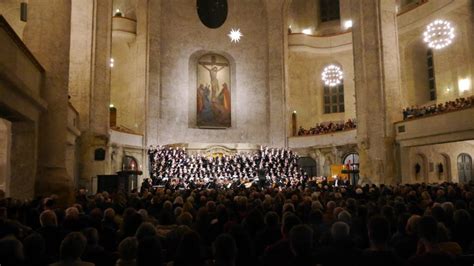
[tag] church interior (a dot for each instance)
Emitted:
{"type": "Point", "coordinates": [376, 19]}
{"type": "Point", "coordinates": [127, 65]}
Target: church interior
{"type": "Point", "coordinates": [370, 92]}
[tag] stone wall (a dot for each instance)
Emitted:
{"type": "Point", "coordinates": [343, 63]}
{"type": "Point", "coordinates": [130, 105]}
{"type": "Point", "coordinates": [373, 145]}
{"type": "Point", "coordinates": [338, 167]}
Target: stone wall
{"type": "Point", "coordinates": [5, 147]}
{"type": "Point", "coordinates": [452, 63]}
{"type": "Point", "coordinates": [306, 86]}
{"type": "Point", "coordinates": [10, 9]}
{"type": "Point", "coordinates": [183, 36]}
{"type": "Point", "coordinates": [446, 154]}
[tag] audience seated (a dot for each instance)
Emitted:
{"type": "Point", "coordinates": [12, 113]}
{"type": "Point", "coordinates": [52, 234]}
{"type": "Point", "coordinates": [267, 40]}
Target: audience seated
{"type": "Point", "coordinates": [328, 127]}
{"type": "Point", "coordinates": [71, 250]}
{"type": "Point", "coordinates": [414, 224]}
{"type": "Point", "coordinates": [458, 104]}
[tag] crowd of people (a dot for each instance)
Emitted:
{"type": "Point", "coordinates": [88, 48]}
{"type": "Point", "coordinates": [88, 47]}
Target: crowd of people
{"type": "Point", "coordinates": [415, 224]}
{"type": "Point", "coordinates": [175, 168]}
{"type": "Point", "coordinates": [458, 104]}
{"type": "Point", "coordinates": [328, 127]}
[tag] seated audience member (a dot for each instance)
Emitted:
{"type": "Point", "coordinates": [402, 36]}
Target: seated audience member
{"type": "Point", "coordinates": [71, 250]}
{"type": "Point", "coordinates": [11, 252]}
{"type": "Point", "coordinates": [108, 234]}
{"type": "Point", "coordinates": [149, 252]}
{"type": "Point", "coordinates": [127, 250]}
{"type": "Point", "coordinates": [280, 252]}
{"type": "Point", "coordinates": [188, 251]}
{"type": "Point", "coordinates": [94, 252]}
{"type": "Point", "coordinates": [463, 231]}
{"type": "Point", "coordinates": [270, 234]}
{"type": "Point", "coordinates": [245, 245]}
{"type": "Point", "coordinates": [34, 248]}
{"type": "Point", "coordinates": [72, 221]}
{"type": "Point", "coordinates": [51, 233]}
{"type": "Point", "coordinates": [406, 240]}
{"type": "Point", "coordinates": [224, 250]}
{"type": "Point", "coordinates": [379, 253]}
{"type": "Point", "coordinates": [445, 245]}
{"type": "Point", "coordinates": [429, 251]}
{"type": "Point", "coordinates": [144, 230]}
{"type": "Point", "coordinates": [301, 245]}
{"type": "Point", "coordinates": [341, 243]}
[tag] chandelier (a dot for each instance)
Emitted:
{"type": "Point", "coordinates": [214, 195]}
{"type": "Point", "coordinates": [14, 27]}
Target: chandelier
{"type": "Point", "coordinates": [438, 34]}
{"type": "Point", "coordinates": [332, 75]}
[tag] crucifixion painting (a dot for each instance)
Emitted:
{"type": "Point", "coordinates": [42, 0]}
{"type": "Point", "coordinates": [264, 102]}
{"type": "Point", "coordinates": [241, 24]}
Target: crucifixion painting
{"type": "Point", "coordinates": [213, 92]}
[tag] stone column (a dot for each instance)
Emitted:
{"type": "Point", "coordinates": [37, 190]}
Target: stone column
{"type": "Point", "coordinates": [153, 76]}
{"type": "Point", "coordinates": [276, 73]}
{"type": "Point", "coordinates": [47, 35]}
{"type": "Point", "coordinates": [377, 87]}
{"type": "Point", "coordinates": [96, 133]}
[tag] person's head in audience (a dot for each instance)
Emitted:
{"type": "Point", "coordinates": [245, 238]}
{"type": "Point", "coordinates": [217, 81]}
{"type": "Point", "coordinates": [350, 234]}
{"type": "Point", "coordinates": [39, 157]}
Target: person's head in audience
{"type": "Point", "coordinates": [340, 231]}
{"type": "Point", "coordinates": [271, 219]}
{"type": "Point", "coordinates": [48, 218]}
{"type": "Point", "coordinates": [301, 240]}
{"type": "Point", "coordinates": [289, 221]}
{"type": "Point", "coordinates": [412, 225]}
{"type": "Point", "coordinates": [34, 248]}
{"type": "Point", "coordinates": [189, 249]}
{"type": "Point", "coordinates": [379, 232]}
{"type": "Point", "coordinates": [72, 247]}
{"type": "Point", "coordinates": [185, 219]}
{"type": "Point", "coordinates": [92, 236]}
{"type": "Point", "coordinates": [149, 251]}
{"type": "Point", "coordinates": [428, 234]}
{"type": "Point", "coordinates": [11, 252]}
{"type": "Point", "coordinates": [109, 214]}
{"type": "Point", "coordinates": [224, 250]}
{"type": "Point", "coordinates": [127, 250]}
{"type": "Point", "coordinates": [72, 213]}
{"type": "Point", "coordinates": [145, 230]}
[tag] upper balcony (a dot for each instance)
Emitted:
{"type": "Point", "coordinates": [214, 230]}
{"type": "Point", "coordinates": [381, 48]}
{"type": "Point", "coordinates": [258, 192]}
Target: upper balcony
{"type": "Point", "coordinates": [440, 128]}
{"type": "Point", "coordinates": [21, 76]}
{"type": "Point", "coordinates": [324, 140]}
{"type": "Point", "coordinates": [124, 28]}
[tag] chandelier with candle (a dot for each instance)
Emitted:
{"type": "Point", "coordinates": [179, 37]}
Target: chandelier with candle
{"type": "Point", "coordinates": [332, 75]}
{"type": "Point", "coordinates": [438, 34]}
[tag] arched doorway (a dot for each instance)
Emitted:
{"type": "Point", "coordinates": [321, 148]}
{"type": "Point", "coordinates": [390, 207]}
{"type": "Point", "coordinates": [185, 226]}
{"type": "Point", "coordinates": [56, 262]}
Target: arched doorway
{"type": "Point", "coordinates": [464, 168]}
{"type": "Point", "coordinates": [308, 165]}
{"type": "Point", "coordinates": [351, 163]}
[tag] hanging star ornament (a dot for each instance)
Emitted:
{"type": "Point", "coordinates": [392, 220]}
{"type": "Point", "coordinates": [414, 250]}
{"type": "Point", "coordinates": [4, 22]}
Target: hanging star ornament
{"type": "Point", "coordinates": [235, 35]}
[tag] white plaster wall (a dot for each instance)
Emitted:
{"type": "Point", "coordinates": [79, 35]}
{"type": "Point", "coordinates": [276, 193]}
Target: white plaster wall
{"type": "Point", "coordinates": [125, 94]}
{"type": "Point", "coordinates": [306, 86]}
{"type": "Point", "coordinates": [5, 147]}
{"type": "Point", "coordinates": [127, 7]}
{"type": "Point", "coordinates": [305, 14]}
{"type": "Point", "coordinates": [434, 156]}
{"type": "Point", "coordinates": [452, 63]}
{"type": "Point", "coordinates": [183, 36]}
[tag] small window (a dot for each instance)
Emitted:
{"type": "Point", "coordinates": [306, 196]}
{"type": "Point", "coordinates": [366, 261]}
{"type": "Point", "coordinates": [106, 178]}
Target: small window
{"type": "Point", "coordinates": [329, 10]}
{"type": "Point", "coordinates": [334, 99]}
{"type": "Point", "coordinates": [431, 75]}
